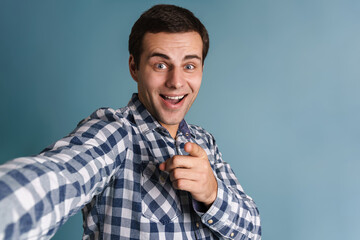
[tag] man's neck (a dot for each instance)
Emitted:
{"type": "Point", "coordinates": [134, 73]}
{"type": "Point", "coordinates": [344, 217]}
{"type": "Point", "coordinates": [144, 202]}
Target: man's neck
{"type": "Point", "coordinates": [172, 129]}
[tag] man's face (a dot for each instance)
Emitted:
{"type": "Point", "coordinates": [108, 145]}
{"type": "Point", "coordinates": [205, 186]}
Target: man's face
{"type": "Point", "coordinates": [169, 74]}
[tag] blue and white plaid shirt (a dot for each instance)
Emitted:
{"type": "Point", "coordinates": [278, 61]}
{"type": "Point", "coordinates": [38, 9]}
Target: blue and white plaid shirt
{"type": "Point", "coordinates": [108, 166]}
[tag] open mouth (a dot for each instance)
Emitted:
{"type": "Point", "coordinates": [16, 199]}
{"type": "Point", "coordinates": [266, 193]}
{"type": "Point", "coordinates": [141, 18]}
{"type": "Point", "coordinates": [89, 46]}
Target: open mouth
{"type": "Point", "coordinates": [173, 99]}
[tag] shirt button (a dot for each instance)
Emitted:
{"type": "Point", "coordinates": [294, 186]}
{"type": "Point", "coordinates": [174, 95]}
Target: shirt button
{"type": "Point", "coordinates": [210, 221]}
{"type": "Point", "coordinates": [162, 179]}
{"type": "Point", "coordinates": [232, 234]}
{"type": "Point", "coordinates": [197, 225]}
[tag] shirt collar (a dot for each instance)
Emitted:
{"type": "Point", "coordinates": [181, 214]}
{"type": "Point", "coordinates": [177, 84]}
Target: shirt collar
{"type": "Point", "coordinates": [185, 130]}
{"type": "Point", "coordinates": [146, 122]}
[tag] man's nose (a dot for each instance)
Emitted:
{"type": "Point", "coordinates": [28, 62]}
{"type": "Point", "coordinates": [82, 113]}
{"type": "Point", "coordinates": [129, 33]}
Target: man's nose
{"type": "Point", "coordinates": [175, 79]}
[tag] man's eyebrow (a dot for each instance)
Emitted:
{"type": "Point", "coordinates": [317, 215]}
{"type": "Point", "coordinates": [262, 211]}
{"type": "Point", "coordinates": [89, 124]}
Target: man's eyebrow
{"type": "Point", "coordinates": [187, 57]}
{"type": "Point", "coordinates": [156, 54]}
{"type": "Point", "coordinates": [161, 55]}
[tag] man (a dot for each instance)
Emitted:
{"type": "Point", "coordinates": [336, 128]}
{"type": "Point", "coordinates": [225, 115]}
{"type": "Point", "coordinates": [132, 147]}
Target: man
{"type": "Point", "coordinates": [140, 171]}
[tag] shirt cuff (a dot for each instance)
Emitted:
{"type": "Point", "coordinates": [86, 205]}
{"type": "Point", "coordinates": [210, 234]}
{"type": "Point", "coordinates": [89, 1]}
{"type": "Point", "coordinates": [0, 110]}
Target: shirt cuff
{"type": "Point", "coordinates": [219, 216]}
{"type": "Point", "coordinates": [199, 207]}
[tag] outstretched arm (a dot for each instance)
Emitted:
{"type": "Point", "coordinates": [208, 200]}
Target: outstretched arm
{"type": "Point", "coordinates": [38, 194]}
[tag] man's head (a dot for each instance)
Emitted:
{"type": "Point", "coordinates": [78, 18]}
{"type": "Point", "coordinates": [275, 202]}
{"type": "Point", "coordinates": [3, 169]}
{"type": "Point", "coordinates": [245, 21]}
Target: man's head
{"type": "Point", "coordinates": [167, 48]}
{"type": "Point", "coordinates": [169, 19]}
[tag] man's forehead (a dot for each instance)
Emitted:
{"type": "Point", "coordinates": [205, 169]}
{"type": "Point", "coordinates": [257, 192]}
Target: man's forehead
{"type": "Point", "coordinates": [189, 44]}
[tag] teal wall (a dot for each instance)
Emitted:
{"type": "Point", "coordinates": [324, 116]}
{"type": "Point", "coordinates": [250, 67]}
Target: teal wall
{"type": "Point", "coordinates": [281, 94]}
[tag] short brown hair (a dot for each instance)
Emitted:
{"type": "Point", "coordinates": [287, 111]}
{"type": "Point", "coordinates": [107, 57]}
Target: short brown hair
{"type": "Point", "coordinates": [165, 18]}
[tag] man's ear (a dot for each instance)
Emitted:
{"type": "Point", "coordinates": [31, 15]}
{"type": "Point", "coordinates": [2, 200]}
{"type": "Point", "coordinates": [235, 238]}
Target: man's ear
{"type": "Point", "coordinates": [132, 68]}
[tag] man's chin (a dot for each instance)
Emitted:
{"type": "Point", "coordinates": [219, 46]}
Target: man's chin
{"type": "Point", "coordinates": [171, 120]}
{"type": "Point", "coordinates": [170, 123]}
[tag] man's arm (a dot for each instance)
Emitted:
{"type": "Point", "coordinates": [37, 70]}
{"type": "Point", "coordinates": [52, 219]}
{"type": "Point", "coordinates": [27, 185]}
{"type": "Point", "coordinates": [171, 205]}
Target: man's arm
{"type": "Point", "coordinates": [38, 194]}
{"type": "Point", "coordinates": [228, 212]}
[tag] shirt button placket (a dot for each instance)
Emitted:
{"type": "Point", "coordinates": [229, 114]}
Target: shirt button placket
{"type": "Point", "coordinates": [178, 144]}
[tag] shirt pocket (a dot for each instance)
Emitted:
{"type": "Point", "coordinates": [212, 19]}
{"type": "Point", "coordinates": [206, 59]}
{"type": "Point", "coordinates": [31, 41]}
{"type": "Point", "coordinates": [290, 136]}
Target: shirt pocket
{"type": "Point", "coordinates": [160, 201]}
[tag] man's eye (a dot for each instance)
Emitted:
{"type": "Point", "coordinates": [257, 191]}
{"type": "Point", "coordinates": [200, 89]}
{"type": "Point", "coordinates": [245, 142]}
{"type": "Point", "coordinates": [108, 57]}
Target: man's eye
{"type": "Point", "coordinates": [160, 66]}
{"type": "Point", "coordinates": [189, 67]}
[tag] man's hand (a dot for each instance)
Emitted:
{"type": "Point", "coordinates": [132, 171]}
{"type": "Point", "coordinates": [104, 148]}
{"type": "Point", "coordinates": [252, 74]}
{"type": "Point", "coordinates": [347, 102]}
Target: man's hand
{"type": "Point", "coordinates": [192, 173]}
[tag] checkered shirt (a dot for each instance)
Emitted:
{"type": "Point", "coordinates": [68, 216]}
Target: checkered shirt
{"type": "Point", "coordinates": [108, 167]}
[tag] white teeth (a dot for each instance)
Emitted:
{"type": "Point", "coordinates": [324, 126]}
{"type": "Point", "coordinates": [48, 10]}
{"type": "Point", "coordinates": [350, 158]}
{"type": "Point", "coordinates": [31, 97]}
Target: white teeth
{"type": "Point", "coordinates": [175, 98]}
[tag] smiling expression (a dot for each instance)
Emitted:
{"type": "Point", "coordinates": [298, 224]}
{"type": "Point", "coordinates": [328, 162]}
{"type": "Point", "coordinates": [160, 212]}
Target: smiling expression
{"type": "Point", "coordinates": [169, 75]}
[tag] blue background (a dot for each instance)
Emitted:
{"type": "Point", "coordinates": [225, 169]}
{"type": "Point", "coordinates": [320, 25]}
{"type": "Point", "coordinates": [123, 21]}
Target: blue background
{"type": "Point", "coordinates": [280, 93]}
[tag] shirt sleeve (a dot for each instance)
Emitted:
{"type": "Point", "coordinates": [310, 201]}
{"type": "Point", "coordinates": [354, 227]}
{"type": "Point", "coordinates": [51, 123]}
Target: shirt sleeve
{"type": "Point", "coordinates": [233, 215]}
{"type": "Point", "coordinates": [38, 194]}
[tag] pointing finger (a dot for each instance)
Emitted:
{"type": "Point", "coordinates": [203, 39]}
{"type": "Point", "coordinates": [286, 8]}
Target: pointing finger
{"type": "Point", "coordinates": [194, 150]}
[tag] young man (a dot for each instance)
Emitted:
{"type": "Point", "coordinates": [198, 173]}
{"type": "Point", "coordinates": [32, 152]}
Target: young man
{"type": "Point", "coordinates": [140, 171]}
